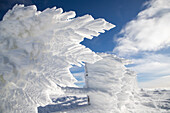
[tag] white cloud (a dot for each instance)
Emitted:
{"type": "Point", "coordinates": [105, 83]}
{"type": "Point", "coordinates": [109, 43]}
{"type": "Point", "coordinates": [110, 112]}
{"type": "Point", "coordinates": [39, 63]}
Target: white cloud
{"type": "Point", "coordinates": [148, 32]}
{"type": "Point", "coordinates": [81, 74]}
{"type": "Point", "coordinates": [153, 64]}
{"type": "Point", "coordinates": [78, 73]}
{"type": "Point", "coordinates": [162, 82]}
{"type": "Point", "coordinates": [80, 79]}
{"type": "Point", "coordinates": [76, 69]}
{"type": "Point", "coordinates": [143, 38]}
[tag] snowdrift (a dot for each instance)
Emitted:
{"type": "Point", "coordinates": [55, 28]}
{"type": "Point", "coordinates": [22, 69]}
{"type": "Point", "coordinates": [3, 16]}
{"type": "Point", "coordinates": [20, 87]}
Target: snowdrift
{"type": "Point", "coordinates": [36, 51]}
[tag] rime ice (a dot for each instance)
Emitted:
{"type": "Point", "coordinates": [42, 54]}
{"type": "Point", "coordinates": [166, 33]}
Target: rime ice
{"type": "Point", "coordinates": [113, 85]}
{"type": "Point", "coordinates": [36, 51]}
{"type": "Point", "coordinates": [38, 48]}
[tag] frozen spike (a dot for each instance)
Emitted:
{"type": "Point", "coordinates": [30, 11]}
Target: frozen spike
{"type": "Point", "coordinates": [59, 10]}
{"type": "Point", "coordinates": [54, 8]}
{"type": "Point", "coordinates": [86, 33]}
{"type": "Point", "coordinates": [68, 15]}
{"type": "Point", "coordinates": [108, 26]}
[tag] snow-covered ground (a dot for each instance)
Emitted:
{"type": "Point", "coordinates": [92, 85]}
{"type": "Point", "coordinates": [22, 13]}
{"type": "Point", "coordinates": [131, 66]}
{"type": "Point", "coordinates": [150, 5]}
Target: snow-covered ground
{"type": "Point", "coordinates": [150, 101]}
{"type": "Point", "coordinates": [65, 103]}
{"type": "Point", "coordinates": [155, 99]}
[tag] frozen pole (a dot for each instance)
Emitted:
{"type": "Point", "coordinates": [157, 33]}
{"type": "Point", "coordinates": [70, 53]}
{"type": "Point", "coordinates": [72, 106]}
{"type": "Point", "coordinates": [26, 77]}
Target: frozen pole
{"type": "Point", "coordinates": [86, 75]}
{"type": "Point", "coordinates": [86, 82]}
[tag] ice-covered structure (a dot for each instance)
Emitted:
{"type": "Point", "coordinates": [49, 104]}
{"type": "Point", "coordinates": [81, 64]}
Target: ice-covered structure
{"type": "Point", "coordinates": [112, 85]}
{"type": "Point", "coordinates": [36, 51]}
{"type": "Point", "coordinates": [112, 88]}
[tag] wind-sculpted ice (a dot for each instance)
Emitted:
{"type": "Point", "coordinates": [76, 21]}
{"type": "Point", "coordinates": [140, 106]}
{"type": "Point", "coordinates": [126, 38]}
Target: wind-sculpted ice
{"type": "Point", "coordinates": [113, 85]}
{"type": "Point", "coordinates": [36, 51]}
{"type": "Point", "coordinates": [110, 86]}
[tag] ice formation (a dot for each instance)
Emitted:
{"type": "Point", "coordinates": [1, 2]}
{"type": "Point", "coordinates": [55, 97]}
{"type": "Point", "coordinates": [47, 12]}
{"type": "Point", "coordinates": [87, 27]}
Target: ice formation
{"type": "Point", "coordinates": [112, 88]}
{"type": "Point", "coordinates": [113, 85]}
{"type": "Point", "coordinates": [36, 51]}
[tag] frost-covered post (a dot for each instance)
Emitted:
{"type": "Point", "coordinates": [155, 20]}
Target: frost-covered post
{"type": "Point", "coordinates": [86, 83]}
{"type": "Point", "coordinates": [86, 75]}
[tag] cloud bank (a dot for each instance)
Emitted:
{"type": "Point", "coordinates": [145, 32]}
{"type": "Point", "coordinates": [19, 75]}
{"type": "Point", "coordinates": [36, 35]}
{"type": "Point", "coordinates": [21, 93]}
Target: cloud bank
{"type": "Point", "coordinates": [162, 82]}
{"type": "Point", "coordinates": [144, 39]}
{"type": "Point", "coordinates": [152, 63]}
{"type": "Point", "coordinates": [148, 32]}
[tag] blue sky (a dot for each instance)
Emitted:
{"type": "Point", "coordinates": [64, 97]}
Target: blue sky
{"type": "Point", "coordinates": [141, 33]}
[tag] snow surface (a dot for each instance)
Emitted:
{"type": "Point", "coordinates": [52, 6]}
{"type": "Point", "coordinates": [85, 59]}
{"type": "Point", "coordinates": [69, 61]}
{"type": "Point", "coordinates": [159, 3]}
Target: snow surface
{"type": "Point", "coordinates": [36, 51]}
{"type": "Point", "coordinates": [150, 101]}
